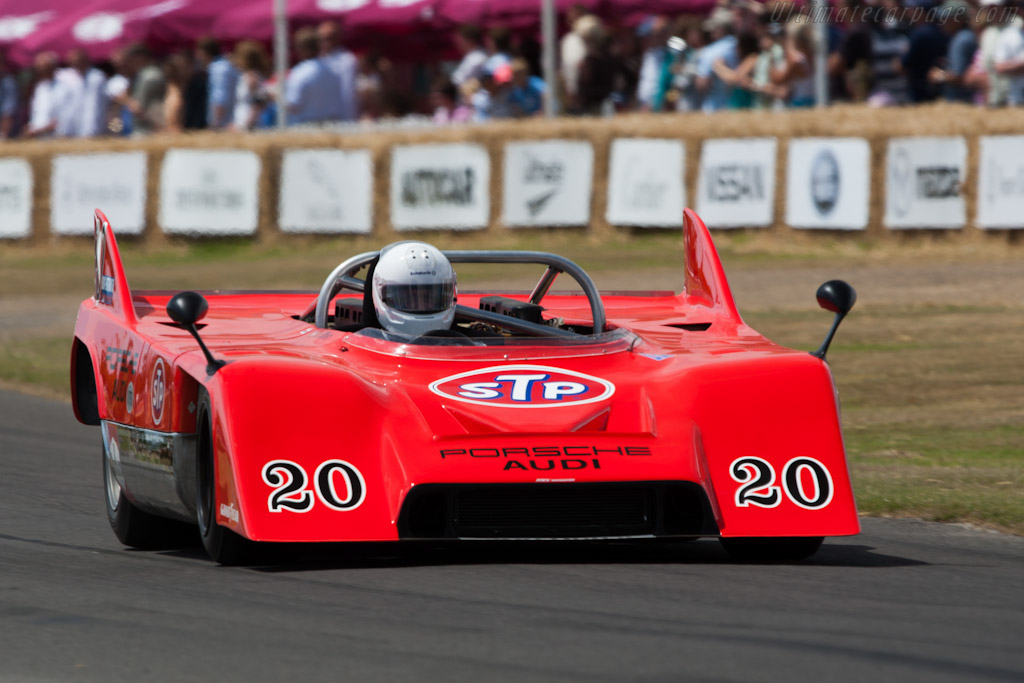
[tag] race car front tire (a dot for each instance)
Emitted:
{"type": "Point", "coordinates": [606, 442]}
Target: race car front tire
{"type": "Point", "coordinates": [136, 528]}
{"type": "Point", "coordinates": [223, 545]}
{"type": "Point", "coordinates": [786, 549]}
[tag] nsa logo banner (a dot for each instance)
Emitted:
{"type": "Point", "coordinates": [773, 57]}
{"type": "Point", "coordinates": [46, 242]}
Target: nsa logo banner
{"type": "Point", "coordinates": [828, 183]}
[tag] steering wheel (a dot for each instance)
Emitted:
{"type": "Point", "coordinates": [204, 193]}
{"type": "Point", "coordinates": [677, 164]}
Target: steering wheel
{"type": "Point", "coordinates": [344, 277]}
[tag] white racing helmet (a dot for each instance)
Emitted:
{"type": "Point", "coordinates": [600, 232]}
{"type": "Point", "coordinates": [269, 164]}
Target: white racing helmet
{"type": "Point", "coordinates": [413, 289]}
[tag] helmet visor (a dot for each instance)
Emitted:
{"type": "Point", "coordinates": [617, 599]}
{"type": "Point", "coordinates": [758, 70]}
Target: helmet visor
{"type": "Point", "coordinates": [432, 298]}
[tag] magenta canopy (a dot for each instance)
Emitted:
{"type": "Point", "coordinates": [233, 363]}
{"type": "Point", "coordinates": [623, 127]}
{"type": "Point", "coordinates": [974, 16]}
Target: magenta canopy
{"type": "Point", "coordinates": [256, 19]}
{"type": "Point", "coordinates": [512, 13]}
{"type": "Point", "coordinates": [19, 19]}
{"type": "Point", "coordinates": [101, 26]}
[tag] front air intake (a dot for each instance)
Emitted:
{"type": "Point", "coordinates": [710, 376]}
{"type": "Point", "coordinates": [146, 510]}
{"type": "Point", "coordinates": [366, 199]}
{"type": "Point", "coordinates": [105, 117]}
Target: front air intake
{"type": "Point", "coordinates": [556, 511]}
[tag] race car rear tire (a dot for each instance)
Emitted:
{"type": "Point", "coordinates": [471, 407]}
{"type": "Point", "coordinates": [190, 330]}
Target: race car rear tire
{"type": "Point", "coordinates": [136, 528]}
{"type": "Point", "coordinates": [786, 549]}
{"type": "Point", "coordinates": [221, 544]}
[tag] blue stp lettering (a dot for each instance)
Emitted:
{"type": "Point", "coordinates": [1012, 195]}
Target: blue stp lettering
{"type": "Point", "coordinates": [520, 388]}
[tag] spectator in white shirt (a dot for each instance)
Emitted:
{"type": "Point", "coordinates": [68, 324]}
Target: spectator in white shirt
{"type": "Point", "coordinates": [572, 49]}
{"type": "Point", "coordinates": [45, 98]}
{"type": "Point", "coordinates": [311, 89]}
{"type": "Point", "coordinates": [343, 64]}
{"type": "Point", "coordinates": [8, 99]}
{"type": "Point", "coordinates": [656, 30]}
{"type": "Point", "coordinates": [1009, 61]}
{"type": "Point", "coordinates": [83, 98]}
{"type": "Point", "coordinates": [251, 97]}
{"type": "Point", "coordinates": [469, 42]}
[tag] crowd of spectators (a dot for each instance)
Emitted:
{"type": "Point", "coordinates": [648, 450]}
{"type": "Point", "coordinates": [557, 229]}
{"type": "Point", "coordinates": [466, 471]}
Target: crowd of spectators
{"type": "Point", "coordinates": [743, 55]}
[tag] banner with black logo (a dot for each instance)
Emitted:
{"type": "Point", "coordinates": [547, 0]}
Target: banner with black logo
{"type": "Point", "coordinates": [924, 183]}
{"type": "Point", "coordinates": [113, 183]}
{"type": "Point", "coordinates": [440, 186]}
{"type": "Point", "coordinates": [646, 183]}
{"type": "Point", "coordinates": [326, 191]}
{"type": "Point", "coordinates": [15, 198]}
{"type": "Point", "coordinates": [209, 192]}
{"type": "Point", "coordinates": [736, 186]}
{"type": "Point", "coordinates": [828, 183]}
{"type": "Point", "coordinates": [547, 182]}
{"type": "Point", "coordinates": [1001, 182]}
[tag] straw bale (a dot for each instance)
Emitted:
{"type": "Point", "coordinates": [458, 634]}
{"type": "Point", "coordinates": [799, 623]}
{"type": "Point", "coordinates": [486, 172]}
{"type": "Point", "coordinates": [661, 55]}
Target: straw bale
{"type": "Point", "coordinates": [875, 125]}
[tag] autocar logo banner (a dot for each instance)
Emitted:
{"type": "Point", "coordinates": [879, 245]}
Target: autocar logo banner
{"type": "Point", "coordinates": [440, 186]}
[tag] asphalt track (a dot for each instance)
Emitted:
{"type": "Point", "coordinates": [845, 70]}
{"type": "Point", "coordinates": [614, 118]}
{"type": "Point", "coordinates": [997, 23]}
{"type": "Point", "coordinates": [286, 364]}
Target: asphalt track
{"type": "Point", "coordinates": [905, 601]}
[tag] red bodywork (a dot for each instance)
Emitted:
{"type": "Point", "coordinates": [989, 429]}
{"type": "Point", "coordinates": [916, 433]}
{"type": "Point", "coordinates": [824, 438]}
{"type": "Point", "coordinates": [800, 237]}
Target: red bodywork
{"type": "Point", "coordinates": [696, 396]}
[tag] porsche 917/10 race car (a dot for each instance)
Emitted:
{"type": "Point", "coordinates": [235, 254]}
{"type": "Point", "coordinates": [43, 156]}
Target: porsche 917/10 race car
{"type": "Point", "coordinates": [290, 417]}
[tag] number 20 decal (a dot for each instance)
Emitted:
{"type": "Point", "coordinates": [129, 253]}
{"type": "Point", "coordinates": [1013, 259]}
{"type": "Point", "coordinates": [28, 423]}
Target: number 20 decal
{"type": "Point", "coordinates": [290, 493]}
{"type": "Point", "coordinates": [759, 489]}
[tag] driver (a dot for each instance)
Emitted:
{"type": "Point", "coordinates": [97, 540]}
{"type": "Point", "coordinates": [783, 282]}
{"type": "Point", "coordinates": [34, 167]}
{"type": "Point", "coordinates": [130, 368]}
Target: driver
{"type": "Point", "coordinates": [413, 289]}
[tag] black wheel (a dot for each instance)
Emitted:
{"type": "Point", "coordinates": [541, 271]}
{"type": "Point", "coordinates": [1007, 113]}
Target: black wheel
{"type": "Point", "coordinates": [787, 549]}
{"type": "Point", "coordinates": [223, 545]}
{"type": "Point", "coordinates": [134, 527]}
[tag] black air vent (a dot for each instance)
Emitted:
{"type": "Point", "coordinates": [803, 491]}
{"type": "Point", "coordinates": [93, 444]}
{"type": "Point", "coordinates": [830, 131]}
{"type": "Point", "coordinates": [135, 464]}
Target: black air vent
{"type": "Point", "coordinates": [592, 510]}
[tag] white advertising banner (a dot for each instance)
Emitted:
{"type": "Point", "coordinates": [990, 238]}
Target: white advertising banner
{"type": "Point", "coordinates": [547, 183]}
{"type": "Point", "coordinates": [646, 182]}
{"type": "Point", "coordinates": [442, 186]}
{"type": "Point", "coordinates": [1001, 182]}
{"type": "Point", "coordinates": [15, 198]}
{"type": "Point", "coordinates": [924, 183]}
{"type": "Point", "coordinates": [209, 192]}
{"type": "Point", "coordinates": [326, 191]}
{"type": "Point", "coordinates": [736, 186]}
{"type": "Point", "coordinates": [828, 183]}
{"type": "Point", "coordinates": [113, 183]}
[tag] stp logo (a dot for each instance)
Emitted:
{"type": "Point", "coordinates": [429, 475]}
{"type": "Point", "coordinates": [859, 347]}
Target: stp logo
{"type": "Point", "coordinates": [523, 386]}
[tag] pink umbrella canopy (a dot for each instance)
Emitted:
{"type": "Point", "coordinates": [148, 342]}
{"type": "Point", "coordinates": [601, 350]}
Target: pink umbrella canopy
{"type": "Point", "coordinates": [519, 14]}
{"type": "Point", "coordinates": [101, 26]}
{"type": "Point", "coordinates": [512, 13]}
{"type": "Point", "coordinates": [20, 20]}
{"type": "Point", "coordinates": [256, 19]}
{"type": "Point", "coordinates": [426, 26]}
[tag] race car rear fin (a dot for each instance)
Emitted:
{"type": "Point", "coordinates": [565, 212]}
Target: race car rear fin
{"type": "Point", "coordinates": [705, 279]}
{"type": "Point", "coordinates": [111, 285]}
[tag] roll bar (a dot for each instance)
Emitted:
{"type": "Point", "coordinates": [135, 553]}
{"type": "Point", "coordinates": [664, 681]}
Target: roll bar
{"type": "Point", "coordinates": [343, 277]}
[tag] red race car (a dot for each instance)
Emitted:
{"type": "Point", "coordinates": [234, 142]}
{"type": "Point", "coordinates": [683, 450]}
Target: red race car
{"type": "Point", "coordinates": [294, 417]}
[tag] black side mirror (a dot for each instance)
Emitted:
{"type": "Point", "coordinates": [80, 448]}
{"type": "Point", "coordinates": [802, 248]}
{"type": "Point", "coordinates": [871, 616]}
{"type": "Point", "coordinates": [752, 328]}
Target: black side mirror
{"type": "Point", "coordinates": [839, 297]}
{"type": "Point", "coordinates": [186, 309]}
